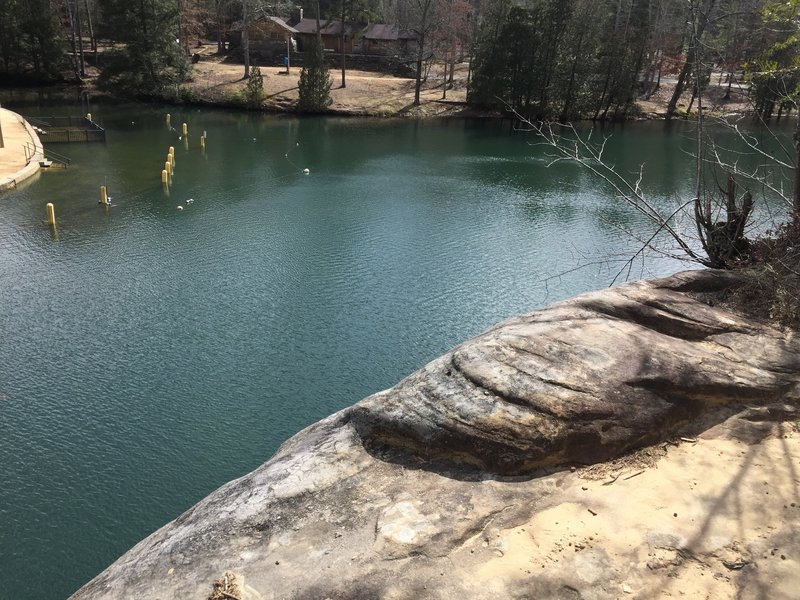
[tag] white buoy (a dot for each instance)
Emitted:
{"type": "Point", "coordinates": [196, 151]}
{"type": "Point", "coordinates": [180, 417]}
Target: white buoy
{"type": "Point", "coordinates": [306, 171]}
{"type": "Point", "coordinates": [190, 200]}
{"type": "Point", "coordinates": [180, 207]}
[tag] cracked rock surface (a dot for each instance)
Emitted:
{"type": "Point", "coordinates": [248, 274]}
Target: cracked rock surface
{"type": "Point", "coordinates": [468, 478]}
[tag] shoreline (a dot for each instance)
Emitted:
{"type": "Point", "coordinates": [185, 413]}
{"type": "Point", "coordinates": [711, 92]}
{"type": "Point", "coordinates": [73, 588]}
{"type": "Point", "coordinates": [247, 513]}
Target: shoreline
{"type": "Point", "coordinates": [220, 84]}
{"type": "Point", "coordinates": [452, 109]}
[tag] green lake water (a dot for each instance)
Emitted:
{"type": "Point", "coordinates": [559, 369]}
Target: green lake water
{"type": "Point", "coordinates": [149, 354]}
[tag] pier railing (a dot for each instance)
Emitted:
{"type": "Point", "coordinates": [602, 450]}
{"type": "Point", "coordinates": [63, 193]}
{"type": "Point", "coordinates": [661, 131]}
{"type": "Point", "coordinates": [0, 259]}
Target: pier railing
{"type": "Point", "coordinates": [32, 150]}
{"type": "Point", "coordinates": [67, 129]}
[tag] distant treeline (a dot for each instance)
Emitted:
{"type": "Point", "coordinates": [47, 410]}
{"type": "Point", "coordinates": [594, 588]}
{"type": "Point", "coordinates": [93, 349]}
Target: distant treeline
{"type": "Point", "coordinates": [546, 59]}
{"type": "Point", "coordinates": [551, 59]}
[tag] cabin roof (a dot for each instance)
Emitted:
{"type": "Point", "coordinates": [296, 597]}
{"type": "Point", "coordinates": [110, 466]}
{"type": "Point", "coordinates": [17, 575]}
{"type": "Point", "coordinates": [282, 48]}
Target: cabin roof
{"type": "Point", "coordinates": [283, 24]}
{"type": "Point", "coordinates": [326, 27]}
{"type": "Point", "coordinates": [388, 33]}
{"type": "Point", "coordinates": [239, 25]}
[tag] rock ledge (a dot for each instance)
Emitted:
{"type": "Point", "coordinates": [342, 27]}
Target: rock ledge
{"type": "Point", "coordinates": [454, 483]}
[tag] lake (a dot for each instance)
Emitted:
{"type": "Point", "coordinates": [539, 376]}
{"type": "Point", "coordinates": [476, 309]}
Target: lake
{"type": "Point", "coordinates": [150, 354]}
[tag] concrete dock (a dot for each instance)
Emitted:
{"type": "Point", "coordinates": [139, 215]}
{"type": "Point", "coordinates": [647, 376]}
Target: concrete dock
{"type": "Point", "coordinates": [16, 163]}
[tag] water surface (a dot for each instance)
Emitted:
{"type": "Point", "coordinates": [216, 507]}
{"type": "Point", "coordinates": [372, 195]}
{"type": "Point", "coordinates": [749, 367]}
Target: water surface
{"type": "Point", "coordinates": [149, 354]}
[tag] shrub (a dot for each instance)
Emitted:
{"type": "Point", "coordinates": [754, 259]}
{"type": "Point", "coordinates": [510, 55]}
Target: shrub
{"type": "Point", "coordinates": [315, 82]}
{"type": "Point", "coordinates": [254, 90]}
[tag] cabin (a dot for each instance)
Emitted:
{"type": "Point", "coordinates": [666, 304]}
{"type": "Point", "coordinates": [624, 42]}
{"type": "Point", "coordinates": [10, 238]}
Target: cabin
{"type": "Point", "coordinates": [375, 39]}
{"type": "Point", "coordinates": [267, 36]}
{"type": "Point", "coordinates": [330, 33]}
{"type": "Point", "coordinates": [374, 46]}
{"type": "Point", "coordinates": [388, 40]}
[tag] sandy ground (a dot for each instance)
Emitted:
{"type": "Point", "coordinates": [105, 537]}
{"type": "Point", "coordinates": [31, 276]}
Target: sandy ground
{"type": "Point", "coordinates": [366, 93]}
{"type": "Point", "coordinates": [714, 101]}
{"type": "Point", "coordinates": [712, 518]}
{"type": "Point", "coordinates": [378, 94]}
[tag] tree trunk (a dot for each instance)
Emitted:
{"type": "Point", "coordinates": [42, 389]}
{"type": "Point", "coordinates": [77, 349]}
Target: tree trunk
{"type": "Point", "coordinates": [470, 58]}
{"type": "Point", "coordinates": [92, 39]}
{"type": "Point", "coordinates": [422, 30]}
{"type": "Point", "coordinates": [796, 204]}
{"type": "Point", "coordinates": [341, 39]}
{"type": "Point", "coordinates": [72, 41]}
{"type": "Point", "coordinates": [220, 36]}
{"type": "Point", "coordinates": [680, 84]}
{"type": "Point", "coordinates": [180, 23]}
{"type": "Point", "coordinates": [691, 101]}
{"type": "Point", "coordinates": [81, 62]}
{"type": "Point", "coordinates": [418, 78]}
{"type": "Point", "coordinates": [658, 77]}
{"type": "Point", "coordinates": [568, 99]}
{"type": "Point", "coordinates": [319, 33]}
{"type": "Point", "coordinates": [246, 39]}
{"type": "Point", "coordinates": [649, 79]}
{"type": "Point", "coordinates": [444, 80]}
{"type": "Point", "coordinates": [603, 94]}
{"type": "Point", "coordinates": [730, 83]}
{"type": "Point", "coordinates": [700, 20]}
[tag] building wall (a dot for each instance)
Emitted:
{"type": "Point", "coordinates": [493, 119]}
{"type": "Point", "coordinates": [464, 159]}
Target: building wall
{"type": "Point", "coordinates": [329, 42]}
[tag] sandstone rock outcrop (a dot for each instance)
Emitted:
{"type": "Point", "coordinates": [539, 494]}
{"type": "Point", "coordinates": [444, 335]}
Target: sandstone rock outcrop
{"type": "Point", "coordinates": [466, 479]}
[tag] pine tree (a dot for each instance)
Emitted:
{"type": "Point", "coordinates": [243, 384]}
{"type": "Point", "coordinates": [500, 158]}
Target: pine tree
{"type": "Point", "coordinates": [254, 90]}
{"type": "Point", "coordinates": [775, 72]}
{"type": "Point", "coordinates": [31, 47]}
{"type": "Point", "coordinates": [315, 82]}
{"type": "Point", "coordinates": [150, 60]}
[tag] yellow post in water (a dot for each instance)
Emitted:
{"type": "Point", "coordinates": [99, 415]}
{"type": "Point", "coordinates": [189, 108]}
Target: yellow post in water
{"type": "Point", "coordinates": [171, 151]}
{"type": "Point", "coordinates": [185, 129]}
{"type": "Point", "coordinates": [165, 177]}
{"type": "Point", "coordinates": [51, 214]}
{"type": "Point", "coordinates": [171, 159]}
{"type": "Point", "coordinates": [89, 116]}
{"type": "Point", "coordinates": [203, 142]}
{"type": "Point", "coordinates": [103, 195]}
{"type": "Point", "coordinates": [168, 167]}
{"type": "Point", "coordinates": [169, 118]}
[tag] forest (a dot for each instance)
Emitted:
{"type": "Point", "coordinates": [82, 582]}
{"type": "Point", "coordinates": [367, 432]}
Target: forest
{"type": "Point", "coordinates": [545, 59]}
